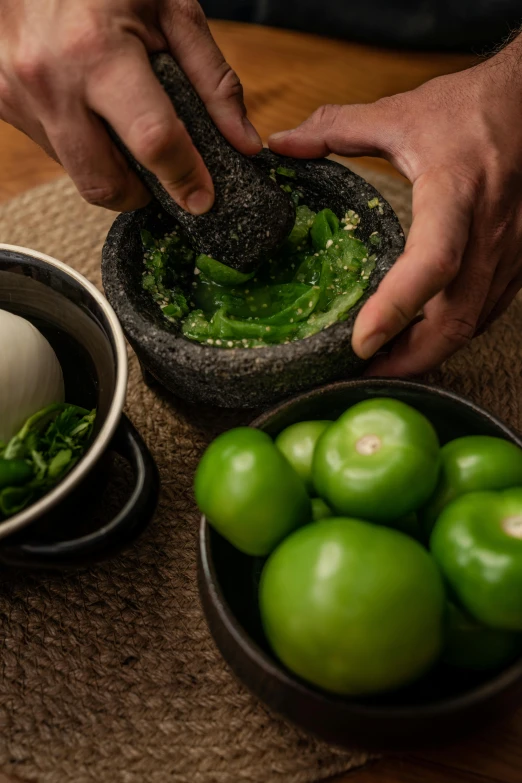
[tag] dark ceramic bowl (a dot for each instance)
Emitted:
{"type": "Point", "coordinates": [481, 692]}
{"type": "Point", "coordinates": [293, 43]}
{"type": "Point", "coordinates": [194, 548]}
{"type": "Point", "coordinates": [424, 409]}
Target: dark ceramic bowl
{"type": "Point", "coordinates": [444, 704]}
{"type": "Point", "coordinates": [245, 378]}
{"type": "Point", "coordinates": [62, 528]}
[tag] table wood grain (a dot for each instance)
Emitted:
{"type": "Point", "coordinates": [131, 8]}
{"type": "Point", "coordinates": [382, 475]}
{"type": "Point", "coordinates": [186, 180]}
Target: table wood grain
{"type": "Point", "coordinates": [286, 76]}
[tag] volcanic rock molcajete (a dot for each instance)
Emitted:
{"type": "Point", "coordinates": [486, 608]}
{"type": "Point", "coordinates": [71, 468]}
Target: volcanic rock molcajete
{"type": "Point", "coordinates": [246, 378]}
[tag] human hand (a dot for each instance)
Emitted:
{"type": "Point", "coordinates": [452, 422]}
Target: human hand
{"type": "Point", "coordinates": [458, 139]}
{"type": "Point", "coordinates": [67, 64]}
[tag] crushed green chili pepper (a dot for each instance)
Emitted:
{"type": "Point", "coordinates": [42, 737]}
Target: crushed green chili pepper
{"type": "Point", "coordinates": [285, 172]}
{"type": "Point", "coordinates": [313, 281]}
{"type": "Point", "coordinates": [46, 448]}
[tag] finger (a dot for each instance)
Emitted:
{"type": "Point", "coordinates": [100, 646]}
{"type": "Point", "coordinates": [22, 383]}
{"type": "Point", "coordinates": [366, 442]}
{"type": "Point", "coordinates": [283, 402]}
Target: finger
{"type": "Point", "coordinates": [501, 305]}
{"type": "Point", "coordinates": [424, 347]}
{"type": "Point", "coordinates": [451, 318]}
{"type": "Point", "coordinates": [504, 277]}
{"type": "Point", "coordinates": [431, 260]}
{"type": "Point", "coordinates": [218, 85]}
{"type": "Point", "coordinates": [125, 91]}
{"type": "Point", "coordinates": [359, 129]}
{"type": "Point", "coordinates": [97, 168]}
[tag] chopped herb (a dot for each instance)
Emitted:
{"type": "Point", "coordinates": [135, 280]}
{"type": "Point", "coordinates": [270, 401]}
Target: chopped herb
{"type": "Point", "coordinates": [49, 444]}
{"type": "Point", "coordinates": [285, 172]}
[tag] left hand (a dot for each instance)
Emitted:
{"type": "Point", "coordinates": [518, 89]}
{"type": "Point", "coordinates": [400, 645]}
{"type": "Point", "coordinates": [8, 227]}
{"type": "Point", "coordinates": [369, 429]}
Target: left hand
{"type": "Point", "coordinates": [458, 139]}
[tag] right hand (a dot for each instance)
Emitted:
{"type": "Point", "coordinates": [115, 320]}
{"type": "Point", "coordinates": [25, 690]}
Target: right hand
{"type": "Point", "coordinates": [65, 64]}
{"type": "Point", "coordinates": [458, 139]}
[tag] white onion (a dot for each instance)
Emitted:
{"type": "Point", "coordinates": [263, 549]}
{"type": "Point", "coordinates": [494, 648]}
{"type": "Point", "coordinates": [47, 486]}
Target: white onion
{"type": "Point", "coordinates": [30, 373]}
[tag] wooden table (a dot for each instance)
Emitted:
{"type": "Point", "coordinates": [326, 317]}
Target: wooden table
{"type": "Point", "coordinates": [286, 76]}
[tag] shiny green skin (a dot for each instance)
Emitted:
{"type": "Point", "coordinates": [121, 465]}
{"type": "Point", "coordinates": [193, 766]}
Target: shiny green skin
{"type": "Point", "coordinates": [324, 227]}
{"type": "Point", "coordinates": [297, 442]}
{"type": "Point", "coordinates": [219, 273]}
{"type": "Point", "coordinates": [481, 562]}
{"type": "Point", "coordinates": [320, 510]}
{"type": "Point", "coordinates": [472, 464]}
{"type": "Point", "coordinates": [249, 492]}
{"type": "Point", "coordinates": [391, 482]}
{"type": "Point", "coordinates": [14, 472]}
{"type": "Point", "coordinates": [470, 645]}
{"type": "Point", "coordinates": [352, 607]}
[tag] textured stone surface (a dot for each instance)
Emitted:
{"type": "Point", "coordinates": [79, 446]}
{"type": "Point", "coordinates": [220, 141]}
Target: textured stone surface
{"type": "Point", "coordinates": [251, 214]}
{"type": "Point", "coordinates": [245, 377]}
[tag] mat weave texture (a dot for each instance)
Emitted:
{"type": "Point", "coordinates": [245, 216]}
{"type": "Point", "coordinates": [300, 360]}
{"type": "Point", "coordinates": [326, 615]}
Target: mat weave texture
{"type": "Point", "coordinates": [109, 674]}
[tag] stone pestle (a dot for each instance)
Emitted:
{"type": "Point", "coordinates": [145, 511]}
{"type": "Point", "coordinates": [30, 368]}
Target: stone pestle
{"type": "Point", "coordinates": [251, 214]}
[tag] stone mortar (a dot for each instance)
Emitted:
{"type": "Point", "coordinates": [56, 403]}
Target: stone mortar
{"type": "Point", "coordinates": [251, 214]}
{"type": "Point", "coordinates": [242, 377]}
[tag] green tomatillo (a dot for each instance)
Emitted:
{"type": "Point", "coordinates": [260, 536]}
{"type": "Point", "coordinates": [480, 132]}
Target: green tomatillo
{"type": "Point", "coordinates": [249, 492]}
{"type": "Point", "coordinates": [472, 464]}
{"type": "Point", "coordinates": [353, 607]}
{"type": "Point", "coordinates": [379, 461]}
{"type": "Point", "coordinates": [477, 542]}
{"type": "Point", "coordinates": [297, 442]}
{"type": "Point", "coordinates": [471, 645]}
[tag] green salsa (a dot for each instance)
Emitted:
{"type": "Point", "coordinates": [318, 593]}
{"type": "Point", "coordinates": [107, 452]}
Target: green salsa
{"type": "Point", "coordinates": [312, 282]}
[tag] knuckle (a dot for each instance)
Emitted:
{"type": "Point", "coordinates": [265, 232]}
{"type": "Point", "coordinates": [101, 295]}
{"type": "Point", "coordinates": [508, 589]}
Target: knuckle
{"type": "Point", "coordinates": [30, 66]}
{"type": "Point", "coordinates": [325, 117]}
{"type": "Point", "coordinates": [185, 182]}
{"type": "Point", "coordinates": [445, 266]}
{"type": "Point", "coordinates": [151, 138]}
{"type": "Point", "coordinates": [86, 40]}
{"type": "Point", "coordinates": [458, 331]}
{"type": "Point", "coordinates": [467, 182]}
{"type": "Point", "coordinates": [229, 85]}
{"type": "Point", "coordinates": [499, 230]}
{"type": "Point", "coordinates": [390, 105]}
{"type": "Point", "coordinates": [192, 13]}
{"type": "Point", "coordinates": [400, 315]}
{"type": "Point", "coordinates": [104, 194]}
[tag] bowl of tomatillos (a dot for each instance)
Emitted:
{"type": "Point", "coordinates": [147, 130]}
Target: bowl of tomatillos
{"type": "Point", "coordinates": [360, 561]}
{"type": "Point", "coordinates": [63, 363]}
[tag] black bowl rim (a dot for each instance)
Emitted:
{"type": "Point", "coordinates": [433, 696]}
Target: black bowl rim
{"type": "Point", "coordinates": [108, 428]}
{"type": "Point", "coordinates": [142, 331]}
{"type": "Point", "coordinates": [270, 666]}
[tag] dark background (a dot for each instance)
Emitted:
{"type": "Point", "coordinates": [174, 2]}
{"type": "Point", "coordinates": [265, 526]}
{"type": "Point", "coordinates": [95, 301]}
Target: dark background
{"type": "Point", "coordinates": [459, 25]}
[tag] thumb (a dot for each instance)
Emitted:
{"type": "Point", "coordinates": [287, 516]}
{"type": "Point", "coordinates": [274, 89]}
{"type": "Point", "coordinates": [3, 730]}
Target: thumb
{"type": "Point", "coordinates": [355, 129]}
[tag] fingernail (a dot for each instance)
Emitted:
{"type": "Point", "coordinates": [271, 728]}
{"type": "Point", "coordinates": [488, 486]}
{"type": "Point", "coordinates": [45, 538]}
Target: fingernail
{"type": "Point", "coordinates": [200, 201]}
{"type": "Point", "coordinates": [281, 134]}
{"type": "Point", "coordinates": [371, 345]}
{"type": "Point", "coordinates": [251, 132]}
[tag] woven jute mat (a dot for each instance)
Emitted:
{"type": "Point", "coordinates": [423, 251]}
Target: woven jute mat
{"type": "Point", "coordinates": [109, 674]}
